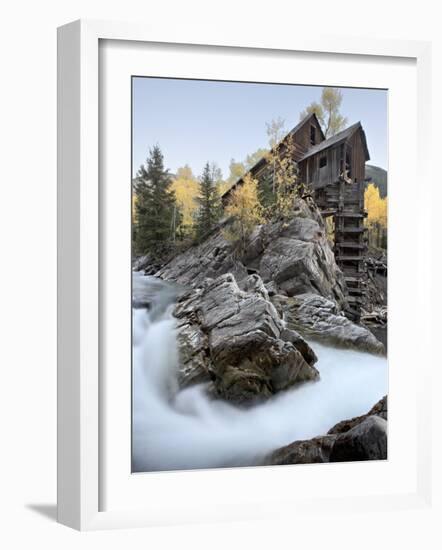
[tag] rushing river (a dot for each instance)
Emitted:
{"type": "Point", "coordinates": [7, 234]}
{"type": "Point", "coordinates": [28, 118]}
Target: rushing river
{"type": "Point", "coordinates": [183, 429]}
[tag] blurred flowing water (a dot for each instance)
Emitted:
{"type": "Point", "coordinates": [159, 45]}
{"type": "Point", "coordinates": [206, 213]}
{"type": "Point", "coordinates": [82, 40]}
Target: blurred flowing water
{"type": "Point", "coordinates": [184, 429]}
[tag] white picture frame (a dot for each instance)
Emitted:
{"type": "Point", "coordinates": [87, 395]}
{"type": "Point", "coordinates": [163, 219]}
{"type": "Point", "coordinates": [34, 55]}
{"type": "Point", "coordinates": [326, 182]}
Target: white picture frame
{"type": "Point", "coordinates": [79, 291]}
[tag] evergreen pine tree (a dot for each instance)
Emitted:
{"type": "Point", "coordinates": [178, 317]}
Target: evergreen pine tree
{"type": "Point", "coordinates": [157, 216]}
{"type": "Point", "coordinates": [267, 196]}
{"type": "Point", "coordinates": [209, 210]}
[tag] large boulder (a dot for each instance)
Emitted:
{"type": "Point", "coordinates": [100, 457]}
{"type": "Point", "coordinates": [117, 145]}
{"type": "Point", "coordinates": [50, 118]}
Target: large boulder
{"type": "Point", "coordinates": [308, 451]}
{"type": "Point", "coordinates": [296, 256]}
{"type": "Point", "coordinates": [360, 438]}
{"type": "Point", "coordinates": [366, 441]}
{"type": "Point", "coordinates": [380, 409]}
{"type": "Point", "coordinates": [236, 339]}
{"type": "Point", "coordinates": [319, 318]}
{"type": "Point", "coordinates": [300, 260]}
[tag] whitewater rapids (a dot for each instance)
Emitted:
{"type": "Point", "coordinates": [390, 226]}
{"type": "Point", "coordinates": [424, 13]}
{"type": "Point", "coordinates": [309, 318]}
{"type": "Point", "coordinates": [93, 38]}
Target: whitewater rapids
{"type": "Point", "coordinates": [183, 429]}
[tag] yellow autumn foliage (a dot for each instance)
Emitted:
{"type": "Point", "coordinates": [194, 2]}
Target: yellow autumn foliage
{"type": "Point", "coordinates": [223, 187]}
{"type": "Point", "coordinates": [284, 177]}
{"type": "Point", "coordinates": [134, 207]}
{"type": "Point", "coordinates": [246, 210]}
{"type": "Point", "coordinates": [376, 220]}
{"type": "Point", "coordinates": [186, 189]}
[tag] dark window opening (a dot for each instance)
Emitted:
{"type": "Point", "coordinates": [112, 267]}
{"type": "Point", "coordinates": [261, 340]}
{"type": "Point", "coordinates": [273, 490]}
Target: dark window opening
{"type": "Point", "coordinates": [312, 135]}
{"type": "Point", "coordinates": [322, 162]}
{"type": "Point", "coordinates": [348, 164]}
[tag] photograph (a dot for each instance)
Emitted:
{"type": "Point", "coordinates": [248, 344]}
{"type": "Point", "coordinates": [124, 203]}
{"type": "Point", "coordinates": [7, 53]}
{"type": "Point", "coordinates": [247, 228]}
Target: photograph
{"type": "Point", "coordinates": [221, 276]}
{"type": "Point", "coordinates": [259, 246]}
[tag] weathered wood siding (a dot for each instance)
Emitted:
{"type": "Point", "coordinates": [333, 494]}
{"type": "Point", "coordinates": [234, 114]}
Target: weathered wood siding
{"type": "Point", "coordinates": [325, 167]}
{"type": "Point", "coordinates": [302, 137]}
{"type": "Point", "coordinates": [313, 173]}
{"type": "Point", "coordinates": [357, 157]}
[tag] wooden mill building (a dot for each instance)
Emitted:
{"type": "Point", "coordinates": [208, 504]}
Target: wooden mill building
{"type": "Point", "coordinates": [334, 168]}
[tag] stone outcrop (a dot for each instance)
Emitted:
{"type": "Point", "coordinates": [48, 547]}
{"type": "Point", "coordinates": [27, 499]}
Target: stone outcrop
{"type": "Point", "coordinates": [360, 438]}
{"type": "Point", "coordinates": [380, 409]}
{"type": "Point", "coordinates": [147, 263]}
{"type": "Point", "coordinates": [210, 259]}
{"type": "Point", "coordinates": [296, 265]}
{"type": "Point", "coordinates": [309, 451]}
{"type": "Point", "coordinates": [294, 256]}
{"type": "Point", "coordinates": [320, 318]}
{"type": "Point", "coordinates": [365, 441]}
{"type": "Point", "coordinates": [235, 338]}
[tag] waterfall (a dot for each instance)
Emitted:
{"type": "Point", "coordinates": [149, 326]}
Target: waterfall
{"type": "Point", "coordinates": [185, 429]}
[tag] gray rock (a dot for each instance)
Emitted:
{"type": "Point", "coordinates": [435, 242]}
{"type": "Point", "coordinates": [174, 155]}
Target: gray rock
{"type": "Point", "coordinates": [319, 318]}
{"type": "Point", "coordinates": [292, 257]}
{"type": "Point", "coordinates": [380, 409]}
{"type": "Point", "coordinates": [233, 338]}
{"type": "Point", "coordinates": [209, 259]}
{"type": "Point", "coordinates": [360, 438]}
{"type": "Point", "coordinates": [141, 262]}
{"type": "Point", "coordinates": [309, 451]}
{"type": "Point", "coordinates": [366, 441]}
{"type": "Point", "coordinates": [271, 288]}
{"type": "Point", "coordinates": [300, 344]}
{"type": "Point", "coordinates": [148, 264]}
{"type": "Point", "coordinates": [296, 267]}
{"type": "Point", "coordinates": [296, 256]}
{"type": "Point", "coordinates": [253, 284]}
{"type": "Point", "coordinates": [195, 364]}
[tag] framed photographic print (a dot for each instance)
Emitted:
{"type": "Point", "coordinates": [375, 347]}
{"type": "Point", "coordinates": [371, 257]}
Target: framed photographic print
{"type": "Point", "coordinates": [229, 216]}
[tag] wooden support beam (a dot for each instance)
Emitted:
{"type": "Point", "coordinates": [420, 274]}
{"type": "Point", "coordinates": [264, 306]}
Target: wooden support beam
{"type": "Point", "coordinates": [357, 246]}
{"type": "Point", "coordinates": [353, 230]}
{"type": "Point", "coordinates": [354, 299]}
{"type": "Point", "coordinates": [352, 215]}
{"type": "Point", "coordinates": [344, 201]}
{"type": "Point", "coordinates": [350, 258]}
{"type": "Point", "coordinates": [355, 278]}
{"type": "Point", "coordinates": [328, 212]}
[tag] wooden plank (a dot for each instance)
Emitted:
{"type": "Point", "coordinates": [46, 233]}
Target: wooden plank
{"type": "Point", "coordinates": [354, 278]}
{"type": "Point", "coordinates": [345, 202]}
{"type": "Point", "coordinates": [353, 230]}
{"type": "Point", "coordinates": [351, 215]}
{"type": "Point", "coordinates": [356, 291]}
{"type": "Point", "coordinates": [348, 244]}
{"type": "Point", "coordinates": [354, 299]}
{"type": "Point", "coordinates": [350, 258]}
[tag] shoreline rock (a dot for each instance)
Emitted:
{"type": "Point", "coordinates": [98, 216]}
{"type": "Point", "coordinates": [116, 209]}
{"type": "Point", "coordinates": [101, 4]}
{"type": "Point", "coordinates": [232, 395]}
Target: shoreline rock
{"type": "Point", "coordinates": [319, 318]}
{"type": "Point", "coordinates": [235, 339]}
{"type": "Point", "coordinates": [360, 438]}
{"type": "Point", "coordinates": [380, 409]}
{"type": "Point", "coordinates": [365, 441]}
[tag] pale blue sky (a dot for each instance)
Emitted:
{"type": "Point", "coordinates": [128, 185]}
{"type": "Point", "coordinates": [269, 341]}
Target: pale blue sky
{"type": "Point", "coordinates": [195, 121]}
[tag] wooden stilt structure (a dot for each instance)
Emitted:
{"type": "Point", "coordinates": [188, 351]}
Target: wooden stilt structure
{"type": "Point", "coordinates": [344, 202]}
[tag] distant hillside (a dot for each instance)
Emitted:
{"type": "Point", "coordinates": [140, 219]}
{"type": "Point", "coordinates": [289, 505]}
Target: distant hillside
{"type": "Point", "coordinates": [379, 176]}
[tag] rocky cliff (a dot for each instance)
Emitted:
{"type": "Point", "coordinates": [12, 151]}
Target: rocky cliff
{"type": "Point", "coordinates": [296, 264]}
{"type": "Point", "coordinates": [292, 257]}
